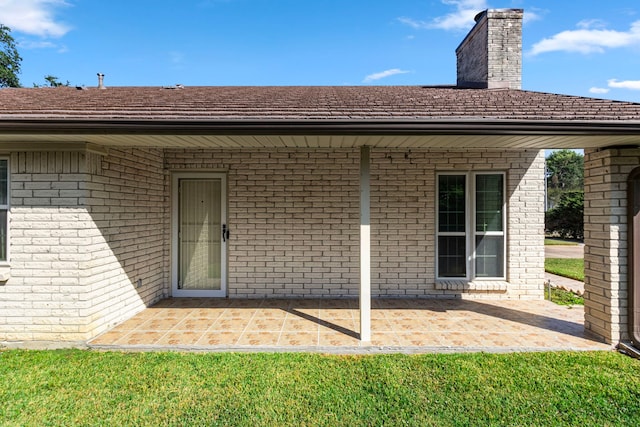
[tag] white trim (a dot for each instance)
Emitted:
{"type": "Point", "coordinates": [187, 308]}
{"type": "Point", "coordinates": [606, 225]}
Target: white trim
{"type": "Point", "coordinates": [470, 232]}
{"type": "Point", "coordinates": [175, 179]}
{"type": "Point", "coordinates": [474, 233]}
{"type": "Point", "coordinates": [7, 207]}
{"type": "Point", "coordinates": [476, 285]}
{"type": "Point", "coordinates": [467, 224]}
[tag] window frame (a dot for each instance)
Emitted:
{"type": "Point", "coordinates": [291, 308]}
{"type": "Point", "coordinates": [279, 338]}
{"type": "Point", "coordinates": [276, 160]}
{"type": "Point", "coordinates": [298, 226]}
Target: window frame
{"type": "Point", "coordinates": [7, 208]}
{"type": "Point", "coordinates": [471, 233]}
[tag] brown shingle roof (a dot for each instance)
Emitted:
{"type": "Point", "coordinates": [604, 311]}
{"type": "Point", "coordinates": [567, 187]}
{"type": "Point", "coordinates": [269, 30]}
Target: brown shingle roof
{"type": "Point", "coordinates": [307, 102]}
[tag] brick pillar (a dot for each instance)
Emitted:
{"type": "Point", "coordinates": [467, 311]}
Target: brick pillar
{"type": "Point", "coordinates": [605, 237]}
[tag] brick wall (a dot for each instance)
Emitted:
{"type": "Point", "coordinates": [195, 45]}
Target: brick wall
{"type": "Point", "coordinates": [127, 247]}
{"type": "Point", "coordinates": [83, 229]}
{"type": "Point", "coordinates": [44, 298]}
{"type": "Point", "coordinates": [606, 257]}
{"type": "Point", "coordinates": [403, 220]}
{"type": "Point", "coordinates": [294, 218]}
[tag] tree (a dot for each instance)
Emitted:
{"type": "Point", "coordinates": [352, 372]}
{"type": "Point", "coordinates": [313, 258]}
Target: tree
{"type": "Point", "coordinates": [52, 81]}
{"type": "Point", "coordinates": [566, 220]}
{"type": "Point", "coordinates": [565, 194]}
{"type": "Point", "coordinates": [9, 59]}
{"type": "Point", "coordinates": [565, 173]}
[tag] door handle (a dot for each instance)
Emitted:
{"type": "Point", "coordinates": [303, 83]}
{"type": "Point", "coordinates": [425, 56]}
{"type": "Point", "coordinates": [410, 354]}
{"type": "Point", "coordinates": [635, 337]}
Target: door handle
{"type": "Point", "coordinates": [225, 233]}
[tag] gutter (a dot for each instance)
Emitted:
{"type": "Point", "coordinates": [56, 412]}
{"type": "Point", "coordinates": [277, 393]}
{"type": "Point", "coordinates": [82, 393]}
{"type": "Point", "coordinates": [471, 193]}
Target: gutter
{"type": "Point", "coordinates": [318, 127]}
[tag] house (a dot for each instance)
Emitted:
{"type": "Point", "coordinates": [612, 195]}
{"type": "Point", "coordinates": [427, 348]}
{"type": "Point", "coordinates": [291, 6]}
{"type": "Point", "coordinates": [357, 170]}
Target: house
{"type": "Point", "coordinates": [114, 198]}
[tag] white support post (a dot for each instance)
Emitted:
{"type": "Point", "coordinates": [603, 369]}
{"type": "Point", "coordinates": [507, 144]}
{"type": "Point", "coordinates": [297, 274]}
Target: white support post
{"type": "Point", "coordinates": [365, 245]}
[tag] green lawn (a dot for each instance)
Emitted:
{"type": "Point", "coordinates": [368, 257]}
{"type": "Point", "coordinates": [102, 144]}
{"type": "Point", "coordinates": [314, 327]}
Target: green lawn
{"type": "Point", "coordinates": [562, 297]}
{"type": "Point", "coordinates": [559, 242]}
{"type": "Point", "coordinates": [566, 267]}
{"type": "Point", "coordinates": [73, 387]}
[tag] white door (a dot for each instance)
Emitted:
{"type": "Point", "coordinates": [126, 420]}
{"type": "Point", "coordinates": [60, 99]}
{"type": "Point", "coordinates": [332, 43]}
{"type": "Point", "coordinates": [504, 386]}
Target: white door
{"type": "Point", "coordinates": [200, 234]}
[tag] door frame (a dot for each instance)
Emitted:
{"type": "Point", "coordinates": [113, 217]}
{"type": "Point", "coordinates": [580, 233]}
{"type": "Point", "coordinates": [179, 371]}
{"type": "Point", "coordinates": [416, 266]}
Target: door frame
{"type": "Point", "coordinates": [175, 215]}
{"type": "Point", "coordinates": [633, 291]}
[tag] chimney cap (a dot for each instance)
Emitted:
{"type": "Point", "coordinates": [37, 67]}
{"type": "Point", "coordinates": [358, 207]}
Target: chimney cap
{"type": "Point", "coordinates": [497, 12]}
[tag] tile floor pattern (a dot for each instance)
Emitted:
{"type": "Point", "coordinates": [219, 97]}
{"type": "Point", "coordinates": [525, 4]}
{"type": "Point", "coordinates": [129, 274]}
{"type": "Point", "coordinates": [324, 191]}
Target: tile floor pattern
{"type": "Point", "coordinates": [430, 325]}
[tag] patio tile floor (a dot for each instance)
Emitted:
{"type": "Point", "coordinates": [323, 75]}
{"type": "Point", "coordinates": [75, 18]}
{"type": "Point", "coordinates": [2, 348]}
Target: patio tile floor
{"type": "Point", "coordinates": [333, 326]}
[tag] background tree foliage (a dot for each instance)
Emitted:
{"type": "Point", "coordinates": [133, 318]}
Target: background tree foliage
{"type": "Point", "coordinates": [9, 59]}
{"type": "Point", "coordinates": [52, 81]}
{"type": "Point", "coordinates": [565, 173]}
{"type": "Point", "coordinates": [565, 194]}
{"type": "Point", "coordinates": [566, 220]}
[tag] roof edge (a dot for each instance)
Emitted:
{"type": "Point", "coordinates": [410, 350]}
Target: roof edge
{"type": "Point", "coordinates": [454, 126]}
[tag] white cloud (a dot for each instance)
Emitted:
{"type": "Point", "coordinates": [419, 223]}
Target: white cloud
{"type": "Point", "coordinates": [592, 24]}
{"type": "Point", "coordinates": [413, 23]}
{"type": "Point", "coordinates": [599, 90]}
{"type": "Point", "coordinates": [42, 44]}
{"type": "Point", "coordinates": [625, 84]}
{"type": "Point", "coordinates": [381, 75]}
{"type": "Point", "coordinates": [530, 16]}
{"type": "Point", "coordinates": [591, 37]}
{"type": "Point", "coordinates": [461, 19]}
{"type": "Point", "coordinates": [33, 17]}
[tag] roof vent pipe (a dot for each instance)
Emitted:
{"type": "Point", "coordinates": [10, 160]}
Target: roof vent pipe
{"type": "Point", "coordinates": [101, 81]}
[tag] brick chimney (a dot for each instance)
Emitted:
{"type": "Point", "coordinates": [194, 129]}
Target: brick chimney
{"type": "Point", "coordinates": [491, 55]}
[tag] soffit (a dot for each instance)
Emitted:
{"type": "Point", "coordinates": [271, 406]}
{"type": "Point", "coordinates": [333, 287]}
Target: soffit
{"type": "Point", "coordinates": [508, 142]}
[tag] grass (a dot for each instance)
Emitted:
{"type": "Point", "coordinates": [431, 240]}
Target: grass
{"type": "Point", "coordinates": [562, 297]}
{"type": "Point", "coordinates": [559, 242]}
{"type": "Point", "coordinates": [572, 268]}
{"type": "Point", "coordinates": [74, 387]}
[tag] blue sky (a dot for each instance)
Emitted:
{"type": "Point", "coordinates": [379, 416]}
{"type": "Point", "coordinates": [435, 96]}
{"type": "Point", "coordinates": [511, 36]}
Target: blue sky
{"type": "Point", "coordinates": [586, 48]}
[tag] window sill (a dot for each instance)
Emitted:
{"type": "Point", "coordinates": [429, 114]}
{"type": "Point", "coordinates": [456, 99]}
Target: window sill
{"type": "Point", "coordinates": [466, 286]}
{"type": "Point", "coordinates": [5, 274]}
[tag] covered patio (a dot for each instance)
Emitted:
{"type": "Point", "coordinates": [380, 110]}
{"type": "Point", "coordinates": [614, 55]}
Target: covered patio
{"type": "Point", "coordinates": [332, 325]}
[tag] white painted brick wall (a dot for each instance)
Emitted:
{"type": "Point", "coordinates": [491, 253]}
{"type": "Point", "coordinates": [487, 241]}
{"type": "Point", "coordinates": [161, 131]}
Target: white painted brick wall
{"type": "Point", "coordinates": [294, 218]}
{"type": "Point", "coordinates": [43, 298]}
{"type": "Point", "coordinates": [81, 235]}
{"type": "Point", "coordinates": [403, 220]}
{"type": "Point", "coordinates": [129, 236]}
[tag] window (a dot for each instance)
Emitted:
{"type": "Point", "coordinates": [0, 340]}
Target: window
{"type": "Point", "coordinates": [4, 210]}
{"type": "Point", "coordinates": [471, 223]}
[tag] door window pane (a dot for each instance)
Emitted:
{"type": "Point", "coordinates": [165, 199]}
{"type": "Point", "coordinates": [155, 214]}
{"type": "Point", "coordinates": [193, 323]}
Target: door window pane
{"type": "Point", "coordinates": [452, 256]}
{"type": "Point", "coordinates": [489, 202]}
{"type": "Point", "coordinates": [451, 203]}
{"type": "Point", "coordinates": [489, 256]}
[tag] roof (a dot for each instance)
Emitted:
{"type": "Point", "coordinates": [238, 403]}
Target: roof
{"type": "Point", "coordinates": [305, 102]}
{"type": "Point", "coordinates": [427, 116]}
